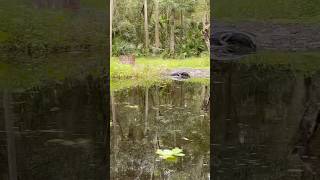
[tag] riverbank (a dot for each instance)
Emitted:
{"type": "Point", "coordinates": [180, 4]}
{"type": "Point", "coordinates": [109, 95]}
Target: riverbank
{"type": "Point", "coordinates": [276, 36]}
{"type": "Point", "coordinates": [152, 70]}
{"type": "Point", "coordinates": [22, 72]}
{"type": "Point", "coordinates": [153, 67]}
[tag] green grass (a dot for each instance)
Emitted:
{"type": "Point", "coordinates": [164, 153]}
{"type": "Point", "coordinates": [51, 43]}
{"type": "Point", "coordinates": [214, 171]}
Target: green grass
{"type": "Point", "coordinates": [151, 67]}
{"type": "Point", "coordinates": [121, 84]}
{"type": "Point", "coordinates": [307, 63]}
{"type": "Point", "coordinates": [22, 73]}
{"type": "Point", "coordinates": [147, 71]}
{"type": "Point", "coordinates": [286, 11]}
{"type": "Point", "coordinates": [205, 81]}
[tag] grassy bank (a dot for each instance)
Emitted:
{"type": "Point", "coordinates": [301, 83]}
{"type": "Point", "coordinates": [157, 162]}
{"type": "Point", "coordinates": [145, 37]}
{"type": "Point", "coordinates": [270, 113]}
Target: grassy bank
{"type": "Point", "coordinates": [307, 63]}
{"type": "Point", "coordinates": [39, 31]}
{"type": "Point", "coordinates": [266, 10]}
{"type": "Point", "coordinates": [21, 73]}
{"type": "Point", "coordinates": [147, 71]}
{"type": "Point", "coordinates": [151, 67]}
{"type": "Point", "coordinates": [121, 84]}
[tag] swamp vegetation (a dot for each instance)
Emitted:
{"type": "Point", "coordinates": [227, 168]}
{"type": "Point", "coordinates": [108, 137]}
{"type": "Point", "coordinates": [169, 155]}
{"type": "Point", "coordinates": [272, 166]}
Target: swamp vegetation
{"type": "Point", "coordinates": [159, 126]}
{"type": "Point", "coordinates": [166, 28]}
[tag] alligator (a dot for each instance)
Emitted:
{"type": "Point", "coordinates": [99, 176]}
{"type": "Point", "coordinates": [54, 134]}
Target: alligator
{"type": "Point", "coordinates": [180, 75]}
{"type": "Point", "coordinates": [231, 45]}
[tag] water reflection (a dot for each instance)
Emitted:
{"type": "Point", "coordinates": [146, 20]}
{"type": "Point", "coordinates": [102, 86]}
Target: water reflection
{"type": "Point", "coordinates": [56, 129]}
{"type": "Point", "coordinates": [168, 115]}
{"type": "Point", "coordinates": [265, 122]}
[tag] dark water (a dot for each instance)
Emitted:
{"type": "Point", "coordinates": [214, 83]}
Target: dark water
{"type": "Point", "coordinates": [170, 115]}
{"type": "Point", "coordinates": [53, 125]}
{"type": "Point", "coordinates": [265, 122]}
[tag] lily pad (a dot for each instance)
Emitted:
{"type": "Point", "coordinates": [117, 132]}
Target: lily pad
{"type": "Point", "coordinates": [170, 155]}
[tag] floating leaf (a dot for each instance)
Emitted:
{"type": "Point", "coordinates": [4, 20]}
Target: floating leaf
{"type": "Point", "coordinates": [170, 155]}
{"type": "Point", "coordinates": [176, 150]}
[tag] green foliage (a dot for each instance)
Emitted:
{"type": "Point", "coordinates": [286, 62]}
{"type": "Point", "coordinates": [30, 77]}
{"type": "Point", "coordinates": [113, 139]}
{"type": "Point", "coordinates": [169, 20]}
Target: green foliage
{"type": "Point", "coordinates": [192, 44]}
{"type": "Point", "coordinates": [128, 27]}
{"type": "Point", "coordinates": [123, 48]}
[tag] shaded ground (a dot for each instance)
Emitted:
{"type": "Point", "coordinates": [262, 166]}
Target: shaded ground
{"type": "Point", "coordinates": [277, 36]}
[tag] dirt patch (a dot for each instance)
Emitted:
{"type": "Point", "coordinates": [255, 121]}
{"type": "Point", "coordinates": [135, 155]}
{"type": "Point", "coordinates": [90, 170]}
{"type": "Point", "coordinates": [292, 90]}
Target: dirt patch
{"type": "Point", "coordinates": [272, 36]}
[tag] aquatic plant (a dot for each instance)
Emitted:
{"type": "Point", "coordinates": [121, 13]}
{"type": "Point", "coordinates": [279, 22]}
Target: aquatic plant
{"type": "Point", "coordinates": [170, 155]}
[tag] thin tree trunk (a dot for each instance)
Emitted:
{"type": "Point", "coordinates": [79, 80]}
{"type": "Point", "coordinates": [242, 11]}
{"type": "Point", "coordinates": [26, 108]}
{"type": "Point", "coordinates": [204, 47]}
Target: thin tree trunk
{"type": "Point", "coordinates": [181, 17]}
{"type": "Point", "coordinates": [182, 23]}
{"type": "Point", "coordinates": [172, 29]}
{"type": "Point", "coordinates": [146, 111]}
{"type": "Point", "coordinates": [167, 28]}
{"type": "Point", "coordinates": [146, 25]}
{"type": "Point", "coordinates": [206, 30]}
{"type": "Point", "coordinates": [12, 163]}
{"type": "Point", "coordinates": [157, 33]}
{"type": "Point", "coordinates": [111, 19]}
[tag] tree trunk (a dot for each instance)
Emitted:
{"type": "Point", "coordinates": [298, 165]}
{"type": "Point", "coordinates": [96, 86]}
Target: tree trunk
{"type": "Point", "coordinates": [157, 36]}
{"type": "Point", "coordinates": [206, 30]}
{"type": "Point", "coordinates": [182, 23]}
{"type": "Point", "coordinates": [111, 19]}
{"type": "Point", "coordinates": [9, 123]}
{"type": "Point", "coordinates": [146, 25]}
{"type": "Point", "coordinates": [172, 29]}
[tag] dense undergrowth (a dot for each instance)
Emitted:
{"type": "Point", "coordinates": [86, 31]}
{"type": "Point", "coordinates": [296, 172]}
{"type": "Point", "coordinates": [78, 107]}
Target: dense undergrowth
{"type": "Point", "coordinates": [173, 28]}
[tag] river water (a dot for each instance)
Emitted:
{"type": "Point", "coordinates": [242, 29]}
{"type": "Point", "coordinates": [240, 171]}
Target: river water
{"type": "Point", "coordinates": [162, 116]}
{"type": "Point", "coordinates": [53, 123]}
{"type": "Point", "coordinates": [265, 118]}
{"type": "Point", "coordinates": [53, 118]}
